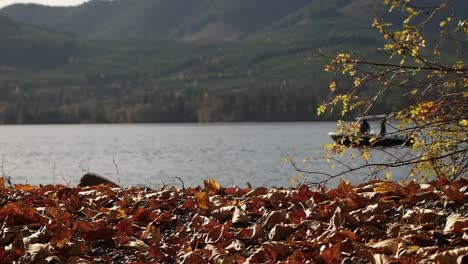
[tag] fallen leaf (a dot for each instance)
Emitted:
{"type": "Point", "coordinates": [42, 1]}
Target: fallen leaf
{"type": "Point", "coordinates": [202, 201]}
{"type": "Point", "coordinates": [332, 254]}
{"type": "Point", "coordinates": [212, 186]}
{"type": "Point", "coordinates": [455, 256]}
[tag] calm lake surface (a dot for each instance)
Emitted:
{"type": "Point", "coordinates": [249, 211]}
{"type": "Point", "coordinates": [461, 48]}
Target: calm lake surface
{"type": "Point", "coordinates": [151, 154]}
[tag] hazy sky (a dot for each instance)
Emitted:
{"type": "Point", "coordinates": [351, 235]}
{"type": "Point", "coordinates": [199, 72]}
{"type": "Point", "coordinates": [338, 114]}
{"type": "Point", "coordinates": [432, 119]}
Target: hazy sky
{"type": "Point", "coordinates": [43, 2]}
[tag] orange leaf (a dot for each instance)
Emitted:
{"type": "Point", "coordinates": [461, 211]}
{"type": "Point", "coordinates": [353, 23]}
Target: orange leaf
{"type": "Point", "coordinates": [297, 257]}
{"type": "Point", "coordinates": [2, 183]}
{"type": "Point", "coordinates": [202, 200]}
{"type": "Point", "coordinates": [25, 187]}
{"type": "Point", "coordinates": [384, 187]}
{"type": "Point", "coordinates": [11, 209]}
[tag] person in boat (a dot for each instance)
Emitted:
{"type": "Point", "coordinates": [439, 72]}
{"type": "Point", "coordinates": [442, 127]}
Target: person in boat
{"type": "Point", "coordinates": [365, 127]}
{"type": "Point", "coordinates": [383, 128]}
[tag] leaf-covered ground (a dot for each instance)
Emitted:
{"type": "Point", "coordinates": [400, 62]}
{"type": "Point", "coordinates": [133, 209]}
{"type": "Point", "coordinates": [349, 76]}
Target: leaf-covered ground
{"type": "Point", "coordinates": [375, 222]}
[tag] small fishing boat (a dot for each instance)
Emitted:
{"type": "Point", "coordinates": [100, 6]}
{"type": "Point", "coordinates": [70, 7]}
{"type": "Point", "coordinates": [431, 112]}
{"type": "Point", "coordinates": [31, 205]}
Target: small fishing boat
{"type": "Point", "coordinates": [370, 140]}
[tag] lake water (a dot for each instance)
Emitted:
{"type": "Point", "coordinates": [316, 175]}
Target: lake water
{"type": "Point", "coordinates": [152, 154]}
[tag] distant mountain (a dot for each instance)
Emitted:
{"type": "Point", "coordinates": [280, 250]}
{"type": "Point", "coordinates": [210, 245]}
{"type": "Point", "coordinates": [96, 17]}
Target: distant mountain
{"type": "Point", "coordinates": [30, 46]}
{"type": "Point", "coordinates": [188, 20]}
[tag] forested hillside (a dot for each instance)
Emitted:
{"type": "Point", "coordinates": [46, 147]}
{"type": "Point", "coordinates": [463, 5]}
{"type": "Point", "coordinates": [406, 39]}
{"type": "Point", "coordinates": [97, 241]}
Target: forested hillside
{"type": "Point", "coordinates": [159, 19]}
{"type": "Point", "coordinates": [176, 61]}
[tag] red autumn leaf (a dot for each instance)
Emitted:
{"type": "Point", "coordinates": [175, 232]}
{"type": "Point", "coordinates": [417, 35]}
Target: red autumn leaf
{"type": "Point", "coordinates": [257, 192]}
{"type": "Point", "coordinates": [248, 233]}
{"type": "Point", "coordinates": [297, 216]}
{"type": "Point", "coordinates": [164, 217]}
{"type": "Point", "coordinates": [65, 218]}
{"type": "Point", "coordinates": [332, 254]}
{"type": "Point", "coordinates": [31, 215]}
{"type": "Point", "coordinates": [84, 226]}
{"type": "Point", "coordinates": [453, 194]}
{"type": "Point", "coordinates": [140, 215]}
{"type": "Point", "coordinates": [218, 233]}
{"type": "Point", "coordinates": [187, 204]}
{"type": "Point", "coordinates": [231, 191]}
{"type": "Point", "coordinates": [126, 227]}
{"type": "Point", "coordinates": [121, 239]}
{"type": "Point", "coordinates": [73, 203]}
{"type": "Point", "coordinates": [319, 197]}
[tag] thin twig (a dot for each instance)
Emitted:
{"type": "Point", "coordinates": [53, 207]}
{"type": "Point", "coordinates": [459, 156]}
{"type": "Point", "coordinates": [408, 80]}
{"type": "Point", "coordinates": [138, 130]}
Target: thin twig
{"type": "Point", "coordinates": [116, 168]}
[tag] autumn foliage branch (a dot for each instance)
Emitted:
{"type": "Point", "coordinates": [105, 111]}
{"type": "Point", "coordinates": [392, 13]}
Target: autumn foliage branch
{"type": "Point", "coordinates": [429, 76]}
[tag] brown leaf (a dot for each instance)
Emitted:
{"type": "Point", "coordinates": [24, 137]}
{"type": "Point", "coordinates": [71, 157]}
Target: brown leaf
{"type": "Point", "coordinates": [240, 216]}
{"type": "Point", "coordinates": [277, 249]}
{"type": "Point", "coordinates": [77, 248]}
{"type": "Point", "coordinates": [2, 183]}
{"type": "Point", "coordinates": [236, 246]}
{"type": "Point", "coordinates": [281, 231]}
{"type": "Point", "coordinates": [78, 260]}
{"type": "Point", "coordinates": [388, 246]}
{"type": "Point", "coordinates": [36, 253]}
{"type": "Point", "coordinates": [259, 256]}
{"type": "Point", "coordinates": [455, 256]}
{"type": "Point", "coordinates": [332, 254]}
{"type": "Point", "coordinates": [297, 257]}
{"type": "Point", "coordinates": [61, 236]}
{"type": "Point", "coordinates": [98, 234]}
{"type": "Point", "coordinates": [139, 245]}
{"type": "Point", "coordinates": [192, 258]}
{"type": "Point", "coordinates": [383, 259]}
{"type": "Point", "coordinates": [422, 216]}
{"type": "Point", "coordinates": [224, 213]}
{"type": "Point", "coordinates": [275, 217]}
{"type": "Point", "coordinates": [219, 256]}
{"type": "Point", "coordinates": [218, 233]}
{"type": "Point", "coordinates": [338, 219]}
{"type": "Point", "coordinates": [456, 223]}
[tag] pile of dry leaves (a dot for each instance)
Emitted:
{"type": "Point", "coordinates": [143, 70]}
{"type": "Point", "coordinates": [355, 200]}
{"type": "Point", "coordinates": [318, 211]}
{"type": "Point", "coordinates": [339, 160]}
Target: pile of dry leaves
{"type": "Point", "coordinates": [375, 222]}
